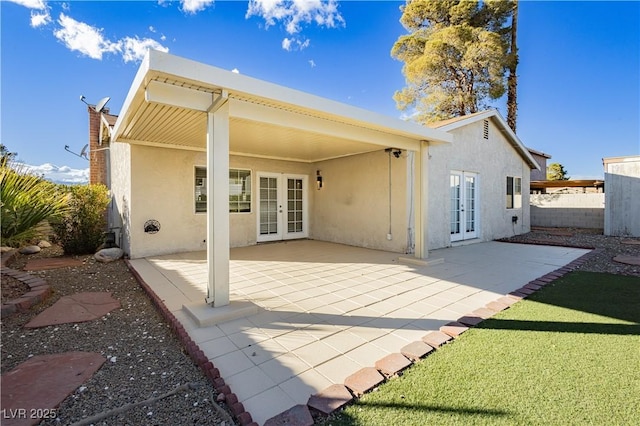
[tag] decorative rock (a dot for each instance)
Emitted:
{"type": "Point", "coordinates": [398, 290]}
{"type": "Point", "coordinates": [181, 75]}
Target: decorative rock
{"type": "Point", "coordinates": [29, 250]}
{"type": "Point", "coordinates": [44, 244]}
{"type": "Point", "coordinates": [5, 249]}
{"type": "Point", "coordinates": [109, 254]}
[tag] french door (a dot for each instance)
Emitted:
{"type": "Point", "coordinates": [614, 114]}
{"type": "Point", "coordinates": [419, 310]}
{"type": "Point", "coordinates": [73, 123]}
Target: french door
{"type": "Point", "coordinates": [463, 189]}
{"type": "Point", "coordinates": [282, 206]}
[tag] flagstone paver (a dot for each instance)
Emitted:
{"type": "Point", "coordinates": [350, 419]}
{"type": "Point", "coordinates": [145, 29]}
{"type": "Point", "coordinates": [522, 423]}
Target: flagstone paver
{"type": "Point", "coordinates": [47, 263]}
{"type": "Point", "coordinates": [627, 259]}
{"type": "Point", "coordinates": [79, 307]}
{"type": "Point", "coordinates": [41, 383]}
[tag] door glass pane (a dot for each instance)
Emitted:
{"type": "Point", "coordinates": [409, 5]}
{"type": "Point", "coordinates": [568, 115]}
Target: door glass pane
{"type": "Point", "coordinates": [470, 196]}
{"type": "Point", "coordinates": [454, 190]}
{"type": "Point", "coordinates": [268, 205]}
{"type": "Point", "coordinates": [294, 205]}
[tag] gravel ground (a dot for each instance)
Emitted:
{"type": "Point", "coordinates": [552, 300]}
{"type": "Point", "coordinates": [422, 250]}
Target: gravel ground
{"type": "Point", "coordinates": [144, 357]}
{"type": "Point", "coordinates": [601, 260]}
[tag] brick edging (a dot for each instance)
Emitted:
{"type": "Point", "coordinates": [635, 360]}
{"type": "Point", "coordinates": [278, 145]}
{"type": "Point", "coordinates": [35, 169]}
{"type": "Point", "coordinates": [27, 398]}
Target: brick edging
{"type": "Point", "coordinates": [335, 397]}
{"type": "Point", "coordinates": [38, 292]}
{"type": "Point", "coordinates": [197, 355]}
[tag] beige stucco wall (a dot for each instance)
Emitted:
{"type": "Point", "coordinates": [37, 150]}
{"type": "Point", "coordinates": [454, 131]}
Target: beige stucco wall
{"type": "Point", "coordinates": [353, 205]}
{"type": "Point", "coordinates": [351, 208]}
{"type": "Point", "coordinates": [120, 208]}
{"type": "Point", "coordinates": [493, 159]}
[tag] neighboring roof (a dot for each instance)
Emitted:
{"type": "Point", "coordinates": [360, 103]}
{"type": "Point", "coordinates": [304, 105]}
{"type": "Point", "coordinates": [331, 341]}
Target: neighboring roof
{"type": "Point", "coordinates": [540, 153]}
{"type": "Point", "coordinates": [110, 118]}
{"type": "Point", "coordinates": [496, 118]}
{"type": "Point", "coordinates": [584, 183]}
{"type": "Point", "coordinates": [265, 119]}
{"type": "Point", "coordinates": [624, 159]}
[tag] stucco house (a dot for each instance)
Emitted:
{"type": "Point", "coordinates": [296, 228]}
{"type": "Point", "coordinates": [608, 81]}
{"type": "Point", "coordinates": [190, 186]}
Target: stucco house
{"type": "Point", "coordinates": [203, 158]}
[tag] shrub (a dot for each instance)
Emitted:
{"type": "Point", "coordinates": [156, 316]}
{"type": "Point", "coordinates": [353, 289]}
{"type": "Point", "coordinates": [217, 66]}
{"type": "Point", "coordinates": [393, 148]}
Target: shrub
{"type": "Point", "coordinates": [81, 230]}
{"type": "Point", "coordinates": [27, 200]}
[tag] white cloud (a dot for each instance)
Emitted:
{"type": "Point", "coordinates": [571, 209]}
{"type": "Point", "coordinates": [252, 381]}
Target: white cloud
{"type": "Point", "coordinates": [294, 43]}
{"type": "Point", "coordinates": [134, 49]}
{"type": "Point", "coordinates": [90, 41]}
{"type": "Point", "coordinates": [194, 6]}
{"type": "Point", "coordinates": [235, 70]}
{"type": "Point", "coordinates": [312, 63]}
{"type": "Point", "coordinates": [153, 30]}
{"type": "Point", "coordinates": [84, 38]}
{"type": "Point", "coordinates": [63, 174]}
{"type": "Point", "coordinates": [294, 13]}
{"type": "Point", "coordinates": [32, 4]}
{"type": "Point", "coordinates": [40, 19]}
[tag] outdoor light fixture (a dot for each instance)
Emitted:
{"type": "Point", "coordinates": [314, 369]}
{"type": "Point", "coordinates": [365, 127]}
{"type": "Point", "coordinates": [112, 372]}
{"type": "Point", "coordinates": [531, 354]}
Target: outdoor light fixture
{"type": "Point", "coordinates": [318, 180]}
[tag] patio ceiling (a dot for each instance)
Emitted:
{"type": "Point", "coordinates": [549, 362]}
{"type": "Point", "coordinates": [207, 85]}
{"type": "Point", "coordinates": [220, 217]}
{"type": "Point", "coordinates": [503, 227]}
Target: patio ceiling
{"type": "Point", "coordinates": [265, 120]}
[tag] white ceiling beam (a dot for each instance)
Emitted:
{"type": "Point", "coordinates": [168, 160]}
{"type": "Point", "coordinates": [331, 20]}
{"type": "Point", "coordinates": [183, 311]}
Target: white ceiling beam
{"type": "Point", "coordinates": [176, 96]}
{"type": "Point", "coordinates": [306, 123]}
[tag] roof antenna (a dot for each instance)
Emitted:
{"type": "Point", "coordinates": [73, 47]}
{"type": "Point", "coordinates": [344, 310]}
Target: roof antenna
{"type": "Point", "coordinates": [99, 106]}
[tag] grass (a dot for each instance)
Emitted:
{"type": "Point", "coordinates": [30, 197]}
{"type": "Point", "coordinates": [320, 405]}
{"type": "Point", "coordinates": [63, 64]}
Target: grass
{"type": "Point", "coordinates": [570, 354]}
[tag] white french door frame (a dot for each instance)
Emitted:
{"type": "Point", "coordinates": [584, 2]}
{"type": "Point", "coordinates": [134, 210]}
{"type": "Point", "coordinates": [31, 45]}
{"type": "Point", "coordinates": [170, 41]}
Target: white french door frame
{"type": "Point", "coordinates": [464, 197]}
{"type": "Point", "coordinates": [281, 214]}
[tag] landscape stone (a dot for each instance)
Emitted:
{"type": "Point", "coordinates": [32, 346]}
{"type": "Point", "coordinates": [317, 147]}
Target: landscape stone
{"type": "Point", "coordinates": [43, 382]}
{"type": "Point", "coordinates": [109, 254]}
{"type": "Point", "coordinates": [44, 244]}
{"type": "Point", "coordinates": [29, 250]}
{"type": "Point", "coordinates": [75, 308]}
{"type": "Point", "coordinates": [5, 249]}
{"type": "Point", "coordinates": [627, 259]}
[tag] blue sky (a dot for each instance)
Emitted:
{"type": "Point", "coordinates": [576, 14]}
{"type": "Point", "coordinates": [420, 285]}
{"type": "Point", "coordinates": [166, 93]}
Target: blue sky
{"type": "Point", "coordinates": [579, 73]}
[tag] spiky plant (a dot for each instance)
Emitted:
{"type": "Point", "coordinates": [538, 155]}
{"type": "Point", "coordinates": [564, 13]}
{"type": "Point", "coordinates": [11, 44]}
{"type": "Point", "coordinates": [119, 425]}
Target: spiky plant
{"type": "Point", "coordinates": [26, 200]}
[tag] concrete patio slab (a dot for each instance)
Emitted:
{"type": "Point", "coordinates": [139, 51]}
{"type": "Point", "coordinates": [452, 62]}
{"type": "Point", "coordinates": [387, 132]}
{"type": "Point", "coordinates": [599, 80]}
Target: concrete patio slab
{"type": "Point", "coordinates": [327, 310]}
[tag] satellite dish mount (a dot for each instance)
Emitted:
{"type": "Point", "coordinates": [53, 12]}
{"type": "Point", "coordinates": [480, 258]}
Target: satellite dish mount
{"type": "Point", "coordinates": [99, 107]}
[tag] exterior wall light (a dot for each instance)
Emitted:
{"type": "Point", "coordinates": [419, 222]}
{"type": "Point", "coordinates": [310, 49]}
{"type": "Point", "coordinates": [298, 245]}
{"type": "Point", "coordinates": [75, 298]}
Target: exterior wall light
{"type": "Point", "coordinates": [318, 180]}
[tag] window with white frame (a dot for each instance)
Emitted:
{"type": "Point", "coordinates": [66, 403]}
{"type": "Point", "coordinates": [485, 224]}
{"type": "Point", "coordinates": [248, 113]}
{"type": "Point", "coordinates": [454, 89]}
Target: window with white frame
{"type": "Point", "coordinates": [514, 192]}
{"type": "Point", "coordinates": [239, 190]}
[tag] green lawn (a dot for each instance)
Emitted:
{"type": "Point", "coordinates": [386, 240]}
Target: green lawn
{"type": "Point", "coordinates": [570, 354]}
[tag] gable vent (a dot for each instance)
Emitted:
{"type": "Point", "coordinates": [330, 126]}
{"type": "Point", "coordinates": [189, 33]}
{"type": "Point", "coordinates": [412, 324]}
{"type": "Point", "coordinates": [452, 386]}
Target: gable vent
{"type": "Point", "coordinates": [485, 130]}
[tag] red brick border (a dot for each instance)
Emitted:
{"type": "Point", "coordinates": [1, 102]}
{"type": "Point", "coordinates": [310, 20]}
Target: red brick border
{"type": "Point", "coordinates": [38, 292]}
{"type": "Point", "coordinates": [242, 416]}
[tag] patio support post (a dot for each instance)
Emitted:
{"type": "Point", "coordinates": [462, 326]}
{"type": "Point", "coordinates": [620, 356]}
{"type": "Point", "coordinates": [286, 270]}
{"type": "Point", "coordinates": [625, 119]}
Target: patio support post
{"type": "Point", "coordinates": [218, 204]}
{"type": "Point", "coordinates": [421, 200]}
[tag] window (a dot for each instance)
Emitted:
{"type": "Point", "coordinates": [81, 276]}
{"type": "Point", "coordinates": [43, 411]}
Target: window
{"type": "Point", "coordinates": [239, 190]}
{"type": "Point", "coordinates": [514, 192]}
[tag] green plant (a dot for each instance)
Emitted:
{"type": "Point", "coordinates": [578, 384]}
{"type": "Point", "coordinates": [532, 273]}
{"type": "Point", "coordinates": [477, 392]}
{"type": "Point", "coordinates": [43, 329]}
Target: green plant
{"type": "Point", "coordinates": [26, 201]}
{"type": "Point", "coordinates": [81, 229]}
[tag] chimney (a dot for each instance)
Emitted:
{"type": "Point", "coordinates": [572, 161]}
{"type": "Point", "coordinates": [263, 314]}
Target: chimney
{"type": "Point", "coordinates": [97, 159]}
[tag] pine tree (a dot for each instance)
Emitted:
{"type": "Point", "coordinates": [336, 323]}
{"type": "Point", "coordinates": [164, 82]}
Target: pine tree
{"type": "Point", "coordinates": [455, 57]}
{"type": "Point", "coordinates": [556, 171]}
